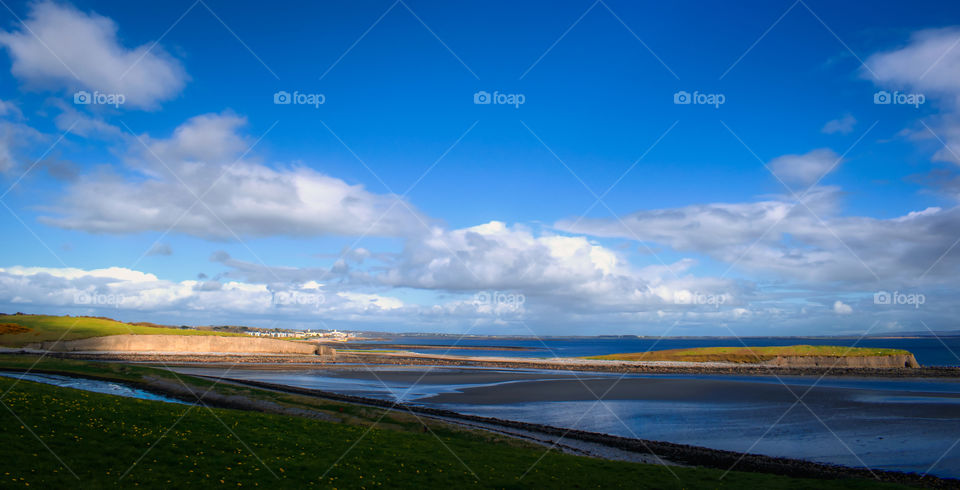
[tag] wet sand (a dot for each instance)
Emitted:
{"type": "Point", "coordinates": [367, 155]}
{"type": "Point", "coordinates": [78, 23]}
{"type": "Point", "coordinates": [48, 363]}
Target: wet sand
{"type": "Point", "coordinates": [690, 390]}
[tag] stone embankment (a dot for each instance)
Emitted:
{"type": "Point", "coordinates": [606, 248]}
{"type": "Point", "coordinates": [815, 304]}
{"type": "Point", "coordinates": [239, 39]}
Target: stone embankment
{"type": "Point", "coordinates": [188, 344]}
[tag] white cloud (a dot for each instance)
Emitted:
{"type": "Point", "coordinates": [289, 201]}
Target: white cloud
{"type": "Point", "coordinates": [929, 64]}
{"type": "Point", "coordinates": [841, 308]}
{"type": "Point", "coordinates": [843, 125]}
{"type": "Point", "coordinates": [9, 109]}
{"type": "Point", "coordinates": [61, 47]}
{"type": "Point", "coordinates": [784, 240]}
{"type": "Point", "coordinates": [371, 301]}
{"type": "Point", "coordinates": [805, 169]}
{"type": "Point", "coordinates": [81, 124]}
{"type": "Point", "coordinates": [555, 274]}
{"type": "Point", "coordinates": [494, 255]}
{"type": "Point", "coordinates": [121, 289]}
{"type": "Point", "coordinates": [203, 159]}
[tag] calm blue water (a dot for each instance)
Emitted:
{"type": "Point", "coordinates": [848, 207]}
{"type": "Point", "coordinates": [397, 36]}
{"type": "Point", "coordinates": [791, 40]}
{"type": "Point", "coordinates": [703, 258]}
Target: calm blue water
{"type": "Point", "coordinates": [928, 351]}
{"type": "Point", "coordinates": [94, 385]}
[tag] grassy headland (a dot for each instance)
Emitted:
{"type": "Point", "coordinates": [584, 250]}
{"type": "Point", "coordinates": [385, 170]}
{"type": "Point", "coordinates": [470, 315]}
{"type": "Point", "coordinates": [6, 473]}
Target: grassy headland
{"type": "Point", "coordinates": [20, 330]}
{"type": "Point", "coordinates": [750, 354]}
{"type": "Point", "coordinates": [193, 445]}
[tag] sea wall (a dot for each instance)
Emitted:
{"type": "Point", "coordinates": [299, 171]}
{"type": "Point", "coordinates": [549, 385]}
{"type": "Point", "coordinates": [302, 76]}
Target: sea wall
{"type": "Point", "coordinates": [895, 361]}
{"type": "Point", "coordinates": [195, 344]}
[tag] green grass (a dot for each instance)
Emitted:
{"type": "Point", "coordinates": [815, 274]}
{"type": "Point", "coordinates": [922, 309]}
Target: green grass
{"type": "Point", "coordinates": [99, 437]}
{"type": "Point", "coordinates": [751, 354]}
{"type": "Point", "coordinates": [43, 328]}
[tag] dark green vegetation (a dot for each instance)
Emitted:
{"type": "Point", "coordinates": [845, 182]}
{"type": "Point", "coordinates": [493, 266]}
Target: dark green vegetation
{"type": "Point", "coordinates": [100, 437]}
{"type": "Point", "coordinates": [42, 328]}
{"type": "Point", "coordinates": [750, 354]}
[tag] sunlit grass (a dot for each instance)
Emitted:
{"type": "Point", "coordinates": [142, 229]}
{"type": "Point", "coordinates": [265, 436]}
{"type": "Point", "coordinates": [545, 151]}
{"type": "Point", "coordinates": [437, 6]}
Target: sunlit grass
{"type": "Point", "coordinates": [43, 328]}
{"type": "Point", "coordinates": [750, 354]}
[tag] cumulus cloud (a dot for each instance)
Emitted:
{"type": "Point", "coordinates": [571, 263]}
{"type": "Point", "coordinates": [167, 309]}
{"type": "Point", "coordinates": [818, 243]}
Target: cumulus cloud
{"type": "Point", "coordinates": [805, 169]}
{"type": "Point", "coordinates": [928, 64]}
{"type": "Point", "coordinates": [555, 274]}
{"type": "Point", "coordinates": [197, 182]}
{"type": "Point", "coordinates": [120, 289]}
{"type": "Point", "coordinates": [843, 125]}
{"type": "Point", "coordinates": [508, 273]}
{"type": "Point", "coordinates": [782, 239]}
{"type": "Point", "coordinates": [841, 308]}
{"type": "Point", "coordinates": [60, 47]}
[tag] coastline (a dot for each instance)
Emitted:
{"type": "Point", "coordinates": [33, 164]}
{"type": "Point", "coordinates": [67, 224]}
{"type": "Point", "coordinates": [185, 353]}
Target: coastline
{"type": "Point", "coordinates": [268, 361]}
{"type": "Point", "coordinates": [610, 446]}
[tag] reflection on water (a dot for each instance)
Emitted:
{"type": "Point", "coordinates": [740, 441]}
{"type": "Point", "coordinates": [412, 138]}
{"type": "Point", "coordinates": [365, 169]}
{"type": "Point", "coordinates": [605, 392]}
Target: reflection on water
{"type": "Point", "coordinates": [94, 385]}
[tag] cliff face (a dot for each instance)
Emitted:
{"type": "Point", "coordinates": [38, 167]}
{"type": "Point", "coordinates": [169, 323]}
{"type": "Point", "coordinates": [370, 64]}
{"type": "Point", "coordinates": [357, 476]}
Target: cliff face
{"type": "Point", "coordinates": [209, 344]}
{"type": "Point", "coordinates": [898, 361]}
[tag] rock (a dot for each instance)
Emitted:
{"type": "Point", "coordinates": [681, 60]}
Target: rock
{"type": "Point", "coordinates": [892, 361]}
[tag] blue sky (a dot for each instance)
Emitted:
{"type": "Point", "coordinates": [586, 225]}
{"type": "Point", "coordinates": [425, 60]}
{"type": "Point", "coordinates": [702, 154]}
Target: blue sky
{"type": "Point", "coordinates": [401, 204]}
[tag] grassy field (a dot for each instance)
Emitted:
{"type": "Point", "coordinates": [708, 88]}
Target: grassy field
{"type": "Point", "coordinates": [111, 441]}
{"type": "Point", "coordinates": [42, 328]}
{"type": "Point", "coordinates": [749, 355]}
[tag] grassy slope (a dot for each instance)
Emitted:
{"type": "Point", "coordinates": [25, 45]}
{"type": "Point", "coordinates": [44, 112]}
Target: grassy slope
{"type": "Point", "coordinates": [100, 436]}
{"type": "Point", "coordinates": [750, 355]}
{"type": "Point", "coordinates": [43, 327]}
